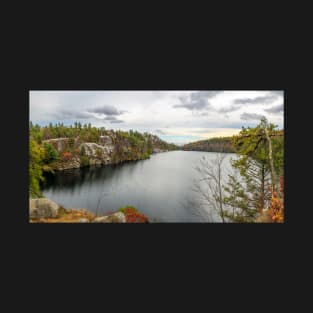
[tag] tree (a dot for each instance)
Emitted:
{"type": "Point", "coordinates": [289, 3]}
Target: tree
{"type": "Point", "coordinates": [36, 155]}
{"type": "Point", "coordinates": [266, 127]}
{"type": "Point", "coordinates": [209, 187]}
{"type": "Point", "coordinates": [237, 199]}
{"type": "Point", "coordinates": [260, 158]}
{"type": "Point", "coordinates": [253, 188]}
{"type": "Point", "coordinates": [261, 147]}
{"type": "Point", "coordinates": [246, 196]}
{"type": "Point", "coordinates": [51, 154]}
{"type": "Point", "coordinates": [71, 142]}
{"type": "Point", "coordinates": [255, 177]}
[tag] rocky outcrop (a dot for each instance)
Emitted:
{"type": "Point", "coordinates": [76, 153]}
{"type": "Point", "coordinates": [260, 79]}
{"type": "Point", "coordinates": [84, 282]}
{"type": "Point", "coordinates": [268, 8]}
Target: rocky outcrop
{"type": "Point", "coordinates": [102, 152]}
{"type": "Point", "coordinates": [109, 147]}
{"type": "Point", "coordinates": [98, 154]}
{"type": "Point", "coordinates": [59, 144]}
{"type": "Point", "coordinates": [74, 162]}
{"type": "Point", "coordinates": [117, 217]}
{"type": "Point", "coordinates": [105, 141]}
{"type": "Point", "coordinates": [43, 208]}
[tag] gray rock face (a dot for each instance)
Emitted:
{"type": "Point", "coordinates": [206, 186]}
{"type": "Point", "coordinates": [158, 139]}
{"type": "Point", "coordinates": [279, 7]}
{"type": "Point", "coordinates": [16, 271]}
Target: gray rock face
{"type": "Point", "coordinates": [58, 143]}
{"type": "Point", "coordinates": [105, 141]}
{"type": "Point", "coordinates": [98, 154]}
{"type": "Point", "coordinates": [72, 163]}
{"type": "Point", "coordinates": [43, 208]}
{"type": "Point", "coordinates": [118, 217]}
{"type": "Point", "coordinates": [95, 162]}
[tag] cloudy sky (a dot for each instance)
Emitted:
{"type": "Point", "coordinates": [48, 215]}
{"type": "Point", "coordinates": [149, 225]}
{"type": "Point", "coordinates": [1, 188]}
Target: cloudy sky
{"type": "Point", "coordinates": [175, 116]}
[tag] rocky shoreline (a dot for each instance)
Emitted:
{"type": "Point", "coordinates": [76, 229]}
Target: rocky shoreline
{"type": "Point", "coordinates": [101, 153]}
{"type": "Point", "coordinates": [44, 210]}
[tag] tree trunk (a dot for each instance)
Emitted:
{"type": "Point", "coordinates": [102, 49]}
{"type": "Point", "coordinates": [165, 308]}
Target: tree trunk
{"type": "Point", "coordinates": [262, 200]}
{"type": "Point", "coordinates": [270, 155]}
{"type": "Point", "coordinates": [220, 192]}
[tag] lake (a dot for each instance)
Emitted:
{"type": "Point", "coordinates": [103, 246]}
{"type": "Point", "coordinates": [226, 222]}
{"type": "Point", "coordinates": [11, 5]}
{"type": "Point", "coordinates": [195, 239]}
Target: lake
{"type": "Point", "coordinates": [160, 187]}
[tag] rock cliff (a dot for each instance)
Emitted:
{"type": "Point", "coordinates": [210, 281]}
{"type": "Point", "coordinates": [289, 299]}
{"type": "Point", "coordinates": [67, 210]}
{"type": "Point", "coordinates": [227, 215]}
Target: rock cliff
{"type": "Point", "coordinates": [113, 148]}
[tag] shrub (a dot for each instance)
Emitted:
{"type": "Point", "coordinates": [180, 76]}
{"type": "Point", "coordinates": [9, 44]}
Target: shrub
{"type": "Point", "coordinates": [51, 153]}
{"type": "Point", "coordinates": [133, 216]}
{"type": "Point", "coordinates": [84, 161]}
{"type": "Point", "coordinates": [123, 210]}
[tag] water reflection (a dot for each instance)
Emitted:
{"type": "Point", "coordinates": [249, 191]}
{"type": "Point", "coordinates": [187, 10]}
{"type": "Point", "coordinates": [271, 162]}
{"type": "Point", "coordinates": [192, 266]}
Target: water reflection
{"type": "Point", "coordinates": [160, 187]}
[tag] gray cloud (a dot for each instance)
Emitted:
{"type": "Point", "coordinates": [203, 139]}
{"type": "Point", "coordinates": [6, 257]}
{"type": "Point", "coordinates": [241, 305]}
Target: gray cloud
{"type": "Point", "coordinates": [275, 109]}
{"type": "Point", "coordinates": [250, 116]}
{"type": "Point", "coordinates": [197, 100]}
{"type": "Point", "coordinates": [109, 118]}
{"type": "Point", "coordinates": [116, 121]}
{"type": "Point", "coordinates": [66, 114]}
{"type": "Point", "coordinates": [279, 93]}
{"type": "Point", "coordinates": [258, 100]}
{"type": "Point", "coordinates": [200, 113]}
{"type": "Point", "coordinates": [106, 110]}
{"type": "Point", "coordinates": [232, 108]}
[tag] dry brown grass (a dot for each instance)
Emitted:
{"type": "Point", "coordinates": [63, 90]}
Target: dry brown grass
{"type": "Point", "coordinates": [67, 216]}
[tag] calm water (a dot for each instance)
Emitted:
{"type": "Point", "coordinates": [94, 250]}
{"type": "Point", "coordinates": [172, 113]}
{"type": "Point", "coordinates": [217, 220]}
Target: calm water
{"type": "Point", "coordinates": [160, 187]}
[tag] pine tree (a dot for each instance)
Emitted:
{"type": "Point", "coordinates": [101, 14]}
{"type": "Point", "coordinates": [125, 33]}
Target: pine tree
{"type": "Point", "coordinates": [259, 158]}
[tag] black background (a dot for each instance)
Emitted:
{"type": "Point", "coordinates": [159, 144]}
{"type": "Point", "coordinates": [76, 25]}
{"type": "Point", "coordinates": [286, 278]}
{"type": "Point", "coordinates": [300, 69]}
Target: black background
{"type": "Point", "coordinates": [244, 266]}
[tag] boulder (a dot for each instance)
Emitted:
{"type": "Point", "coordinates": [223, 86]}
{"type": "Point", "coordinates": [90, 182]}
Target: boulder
{"type": "Point", "coordinates": [43, 208]}
{"type": "Point", "coordinates": [117, 217]}
{"type": "Point", "coordinates": [83, 220]}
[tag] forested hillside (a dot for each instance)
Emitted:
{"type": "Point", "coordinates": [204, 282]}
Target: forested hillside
{"type": "Point", "coordinates": [221, 144]}
{"type": "Point", "coordinates": [59, 147]}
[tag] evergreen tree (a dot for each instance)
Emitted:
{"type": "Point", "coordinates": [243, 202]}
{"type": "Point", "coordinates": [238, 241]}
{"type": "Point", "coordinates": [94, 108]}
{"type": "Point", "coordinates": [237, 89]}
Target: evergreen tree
{"type": "Point", "coordinates": [51, 154]}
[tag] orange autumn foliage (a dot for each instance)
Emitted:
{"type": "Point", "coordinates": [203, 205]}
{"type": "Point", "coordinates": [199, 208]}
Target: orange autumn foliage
{"type": "Point", "coordinates": [66, 155]}
{"type": "Point", "coordinates": [134, 217]}
{"type": "Point", "coordinates": [276, 209]}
